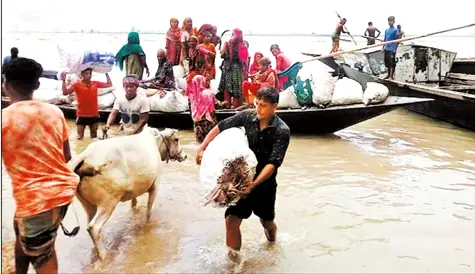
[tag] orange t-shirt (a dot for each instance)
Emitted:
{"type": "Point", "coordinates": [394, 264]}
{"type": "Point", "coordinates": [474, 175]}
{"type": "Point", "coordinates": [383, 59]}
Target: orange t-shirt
{"type": "Point", "coordinates": [87, 98]}
{"type": "Point", "coordinates": [33, 134]}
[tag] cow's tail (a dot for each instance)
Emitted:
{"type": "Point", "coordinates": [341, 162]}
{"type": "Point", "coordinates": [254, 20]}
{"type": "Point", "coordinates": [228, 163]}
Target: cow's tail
{"type": "Point", "coordinates": [80, 167]}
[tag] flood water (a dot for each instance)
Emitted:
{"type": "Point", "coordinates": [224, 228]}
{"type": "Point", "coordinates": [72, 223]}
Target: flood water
{"type": "Point", "coordinates": [393, 194]}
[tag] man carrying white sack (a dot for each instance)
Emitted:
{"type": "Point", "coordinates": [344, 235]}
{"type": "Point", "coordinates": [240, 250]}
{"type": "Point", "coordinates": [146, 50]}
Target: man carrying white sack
{"type": "Point", "coordinates": [134, 108]}
{"type": "Point", "coordinates": [268, 138]}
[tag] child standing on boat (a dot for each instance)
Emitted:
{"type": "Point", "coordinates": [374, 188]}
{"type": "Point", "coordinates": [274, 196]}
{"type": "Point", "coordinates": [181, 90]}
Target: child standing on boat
{"type": "Point", "coordinates": [87, 113]}
{"type": "Point", "coordinates": [391, 34]}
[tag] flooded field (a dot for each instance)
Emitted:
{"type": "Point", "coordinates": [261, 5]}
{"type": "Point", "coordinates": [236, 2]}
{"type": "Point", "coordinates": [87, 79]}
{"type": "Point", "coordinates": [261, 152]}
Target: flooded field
{"type": "Point", "coordinates": [393, 194]}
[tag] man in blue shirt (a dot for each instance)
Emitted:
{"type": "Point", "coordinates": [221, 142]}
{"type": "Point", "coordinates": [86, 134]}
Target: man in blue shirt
{"type": "Point", "coordinates": [13, 55]}
{"type": "Point", "coordinates": [391, 34]}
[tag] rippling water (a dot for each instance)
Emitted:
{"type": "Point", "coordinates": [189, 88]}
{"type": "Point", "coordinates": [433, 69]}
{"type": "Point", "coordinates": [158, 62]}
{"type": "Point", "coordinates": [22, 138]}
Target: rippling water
{"type": "Point", "coordinates": [393, 194]}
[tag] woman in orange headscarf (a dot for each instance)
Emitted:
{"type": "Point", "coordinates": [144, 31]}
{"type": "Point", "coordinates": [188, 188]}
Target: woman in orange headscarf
{"type": "Point", "coordinates": [187, 31]}
{"type": "Point", "coordinates": [173, 42]}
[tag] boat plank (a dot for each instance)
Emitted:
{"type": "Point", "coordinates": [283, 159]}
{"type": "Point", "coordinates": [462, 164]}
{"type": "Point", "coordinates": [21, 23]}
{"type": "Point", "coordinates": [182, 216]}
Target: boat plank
{"type": "Point", "coordinates": [433, 90]}
{"type": "Point", "coordinates": [461, 76]}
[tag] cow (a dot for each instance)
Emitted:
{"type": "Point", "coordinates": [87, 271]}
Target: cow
{"type": "Point", "coordinates": [121, 169]}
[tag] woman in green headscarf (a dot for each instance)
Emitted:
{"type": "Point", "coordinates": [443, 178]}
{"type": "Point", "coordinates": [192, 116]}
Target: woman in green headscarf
{"type": "Point", "coordinates": [133, 55]}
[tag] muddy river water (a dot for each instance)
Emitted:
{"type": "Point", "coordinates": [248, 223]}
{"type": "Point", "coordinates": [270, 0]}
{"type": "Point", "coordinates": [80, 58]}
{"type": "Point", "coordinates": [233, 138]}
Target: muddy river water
{"type": "Point", "coordinates": [393, 194]}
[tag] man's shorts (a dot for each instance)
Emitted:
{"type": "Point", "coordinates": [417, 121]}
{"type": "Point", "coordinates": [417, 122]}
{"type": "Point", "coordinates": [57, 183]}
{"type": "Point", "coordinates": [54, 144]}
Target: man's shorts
{"type": "Point", "coordinates": [87, 121]}
{"type": "Point", "coordinates": [37, 234]}
{"type": "Point", "coordinates": [390, 59]}
{"type": "Point", "coordinates": [261, 201]}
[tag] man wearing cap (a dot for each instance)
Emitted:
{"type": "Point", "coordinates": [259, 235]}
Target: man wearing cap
{"type": "Point", "coordinates": [134, 108]}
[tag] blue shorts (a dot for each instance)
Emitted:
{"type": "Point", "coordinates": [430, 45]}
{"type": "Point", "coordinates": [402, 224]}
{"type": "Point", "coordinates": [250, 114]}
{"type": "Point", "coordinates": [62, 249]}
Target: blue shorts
{"type": "Point", "coordinates": [37, 234]}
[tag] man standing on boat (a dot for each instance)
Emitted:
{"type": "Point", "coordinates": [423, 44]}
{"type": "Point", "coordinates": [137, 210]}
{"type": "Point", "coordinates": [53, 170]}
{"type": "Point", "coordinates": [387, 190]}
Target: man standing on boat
{"type": "Point", "coordinates": [340, 28]}
{"type": "Point", "coordinates": [268, 138]}
{"type": "Point", "coordinates": [371, 32]}
{"type": "Point", "coordinates": [391, 34]}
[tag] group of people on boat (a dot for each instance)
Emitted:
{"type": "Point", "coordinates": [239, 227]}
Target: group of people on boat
{"type": "Point", "coordinates": [371, 34]}
{"type": "Point", "coordinates": [196, 51]}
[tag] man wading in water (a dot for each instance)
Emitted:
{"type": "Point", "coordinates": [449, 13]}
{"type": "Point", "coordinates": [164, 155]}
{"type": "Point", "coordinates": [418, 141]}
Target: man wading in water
{"type": "Point", "coordinates": [268, 138]}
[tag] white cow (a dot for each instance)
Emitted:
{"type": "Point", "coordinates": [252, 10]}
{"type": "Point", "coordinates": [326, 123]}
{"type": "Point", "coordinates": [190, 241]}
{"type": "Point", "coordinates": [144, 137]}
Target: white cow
{"type": "Point", "coordinates": [120, 169]}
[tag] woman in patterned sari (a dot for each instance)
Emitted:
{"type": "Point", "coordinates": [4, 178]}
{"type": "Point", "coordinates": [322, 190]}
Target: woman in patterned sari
{"type": "Point", "coordinates": [164, 78]}
{"type": "Point", "coordinates": [187, 31]}
{"type": "Point", "coordinates": [173, 42]}
{"type": "Point", "coordinates": [202, 107]}
{"type": "Point", "coordinates": [209, 51]}
{"type": "Point", "coordinates": [234, 68]}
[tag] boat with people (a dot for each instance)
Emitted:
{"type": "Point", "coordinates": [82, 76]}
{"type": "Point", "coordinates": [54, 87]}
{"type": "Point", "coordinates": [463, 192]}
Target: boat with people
{"type": "Point", "coordinates": [310, 120]}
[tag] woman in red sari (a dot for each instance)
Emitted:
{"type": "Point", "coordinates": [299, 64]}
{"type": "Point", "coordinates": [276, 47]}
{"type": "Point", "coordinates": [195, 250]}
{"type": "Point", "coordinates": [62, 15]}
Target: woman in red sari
{"type": "Point", "coordinates": [282, 63]}
{"type": "Point", "coordinates": [265, 77]}
{"type": "Point", "coordinates": [173, 43]}
{"type": "Point", "coordinates": [255, 65]}
{"type": "Point", "coordinates": [209, 51]}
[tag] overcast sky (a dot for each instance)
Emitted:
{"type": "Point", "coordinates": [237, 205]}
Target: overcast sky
{"type": "Point", "coordinates": [258, 16]}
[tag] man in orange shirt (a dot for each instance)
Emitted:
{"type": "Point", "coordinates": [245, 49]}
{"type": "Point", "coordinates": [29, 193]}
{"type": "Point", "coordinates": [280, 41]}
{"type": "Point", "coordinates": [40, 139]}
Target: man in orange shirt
{"type": "Point", "coordinates": [35, 150]}
{"type": "Point", "coordinates": [87, 113]}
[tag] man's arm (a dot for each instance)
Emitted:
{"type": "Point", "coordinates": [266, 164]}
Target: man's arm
{"type": "Point", "coordinates": [111, 118]}
{"type": "Point", "coordinates": [237, 120]}
{"type": "Point", "coordinates": [143, 61]}
{"type": "Point", "coordinates": [66, 90]}
{"type": "Point", "coordinates": [379, 33]}
{"type": "Point", "coordinates": [366, 33]}
{"type": "Point", "coordinates": [279, 148]}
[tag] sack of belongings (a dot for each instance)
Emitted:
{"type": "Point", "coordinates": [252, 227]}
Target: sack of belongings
{"type": "Point", "coordinates": [76, 60]}
{"type": "Point", "coordinates": [346, 92]}
{"type": "Point", "coordinates": [288, 99]}
{"type": "Point", "coordinates": [375, 93]}
{"type": "Point", "coordinates": [226, 166]}
{"type": "Point", "coordinates": [323, 85]}
{"type": "Point", "coordinates": [173, 101]}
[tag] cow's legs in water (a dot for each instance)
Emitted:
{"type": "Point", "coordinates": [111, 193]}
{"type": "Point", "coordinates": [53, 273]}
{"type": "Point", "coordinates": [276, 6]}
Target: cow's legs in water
{"type": "Point", "coordinates": [95, 226]}
{"type": "Point", "coordinates": [152, 193]}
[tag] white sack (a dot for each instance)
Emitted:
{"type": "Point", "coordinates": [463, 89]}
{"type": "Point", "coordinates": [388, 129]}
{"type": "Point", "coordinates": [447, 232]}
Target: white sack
{"type": "Point", "coordinates": [375, 93]}
{"type": "Point", "coordinates": [323, 85]}
{"type": "Point", "coordinates": [214, 85]}
{"type": "Point", "coordinates": [106, 100]}
{"type": "Point", "coordinates": [228, 146]}
{"type": "Point", "coordinates": [173, 101]}
{"type": "Point", "coordinates": [102, 91]}
{"type": "Point", "coordinates": [51, 96]}
{"type": "Point", "coordinates": [73, 60]}
{"type": "Point", "coordinates": [178, 71]}
{"type": "Point", "coordinates": [181, 83]}
{"type": "Point", "coordinates": [288, 99]}
{"type": "Point", "coordinates": [346, 92]}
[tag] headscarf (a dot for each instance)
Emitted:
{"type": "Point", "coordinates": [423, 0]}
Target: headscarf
{"type": "Point", "coordinates": [185, 27]}
{"type": "Point", "coordinates": [242, 48]}
{"type": "Point", "coordinates": [132, 46]}
{"type": "Point", "coordinates": [201, 98]}
{"type": "Point", "coordinates": [255, 65]}
{"type": "Point", "coordinates": [174, 34]}
{"type": "Point", "coordinates": [205, 27]}
{"type": "Point", "coordinates": [130, 80]}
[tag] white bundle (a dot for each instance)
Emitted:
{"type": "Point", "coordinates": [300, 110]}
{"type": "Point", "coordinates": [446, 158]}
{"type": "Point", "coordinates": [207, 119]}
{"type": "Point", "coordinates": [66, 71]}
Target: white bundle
{"type": "Point", "coordinates": [375, 93]}
{"type": "Point", "coordinates": [226, 166]}
{"type": "Point", "coordinates": [288, 99]}
{"type": "Point", "coordinates": [346, 92]}
{"type": "Point", "coordinates": [106, 101]}
{"type": "Point", "coordinates": [323, 85]}
{"type": "Point", "coordinates": [173, 101]}
{"type": "Point", "coordinates": [75, 60]}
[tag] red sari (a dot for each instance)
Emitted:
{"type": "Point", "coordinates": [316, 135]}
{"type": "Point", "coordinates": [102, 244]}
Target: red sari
{"type": "Point", "coordinates": [282, 63]}
{"type": "Point", "coordinates": [261, 80]}
{"type": "Point", "coordinates": [255, 65]}
{"type": "Point", "coordinates": [173, 45]}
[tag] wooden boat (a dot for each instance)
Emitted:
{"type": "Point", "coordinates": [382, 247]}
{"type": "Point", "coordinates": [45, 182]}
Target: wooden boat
{"type": "Point", "coordinates": [456, 106]}
{"type": "Point", "coordinates": [464, 65]}
{"type": "Point", "coordinates": [307, 121]}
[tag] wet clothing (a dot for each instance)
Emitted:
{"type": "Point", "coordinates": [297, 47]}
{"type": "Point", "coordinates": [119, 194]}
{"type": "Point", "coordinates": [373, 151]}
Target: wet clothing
{"type": "Point", "coordinates": [390, 59]}
{"type": "Point", "coordinates": [86, 95]}
{"type": "Point", "coordinates": [87, 121]}
{"type": "Point", "coordinates": [37, 234]}
{"type": "Point", "coordinates": [269, 146]}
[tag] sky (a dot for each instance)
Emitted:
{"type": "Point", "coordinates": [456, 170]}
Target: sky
{"type": "Point", "coordinates": [257, 16]}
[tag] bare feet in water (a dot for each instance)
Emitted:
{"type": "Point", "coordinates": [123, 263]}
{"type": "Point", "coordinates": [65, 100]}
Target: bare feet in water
{"type": "Point", "coordinates": [271, 235]}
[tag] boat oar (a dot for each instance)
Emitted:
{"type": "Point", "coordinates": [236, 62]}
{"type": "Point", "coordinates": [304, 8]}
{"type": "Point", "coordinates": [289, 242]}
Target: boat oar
{"type": "Point", "coordinates": [377, 39]}
{"type": "Point", "coordinates": [221, 39]}
{"type": "Point", "coordinates": [346, 29]}
{"type": "Point", "coordinates": [293, 69]}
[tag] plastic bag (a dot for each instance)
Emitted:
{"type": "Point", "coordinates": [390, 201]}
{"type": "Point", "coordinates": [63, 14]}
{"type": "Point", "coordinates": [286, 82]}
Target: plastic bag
{"type": "Point", "coordinates": [76, 60]}
{"type": "Point", "coordinates": [375, 93]}
{"type": "Point", "coordinates": [347, 92]}
{"type": "Point", "coordinates": [227, 164]}
{"type": "Point", "coordinates": [288, 99]}
{"type": "Point", "coordinates": [173, 101]}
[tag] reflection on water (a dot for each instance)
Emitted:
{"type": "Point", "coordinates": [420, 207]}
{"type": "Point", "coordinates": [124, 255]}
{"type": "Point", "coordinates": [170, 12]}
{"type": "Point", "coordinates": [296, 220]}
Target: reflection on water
{"type": "Point", "coordinates": [393, 194]}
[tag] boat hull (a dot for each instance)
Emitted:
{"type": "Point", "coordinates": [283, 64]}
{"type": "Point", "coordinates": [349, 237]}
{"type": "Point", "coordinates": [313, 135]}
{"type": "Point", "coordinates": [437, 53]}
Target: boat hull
{"type": "Point", "coordinates": [304, 121]}
{"type": "Point", "coordinates": [464, 65]}
{"type": "Point", "coordinates": [449, 106]}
